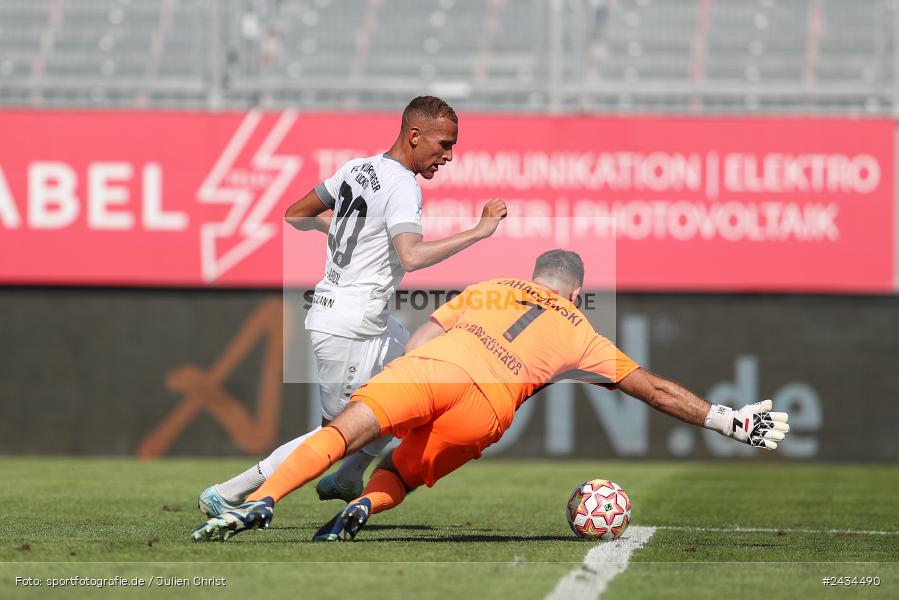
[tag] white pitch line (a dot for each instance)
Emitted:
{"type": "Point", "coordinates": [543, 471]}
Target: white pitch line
{"type": "Point", "coordinates": [773, 530]}
{"type": "Point", "coordinates": [607, 559]}
{"type": "Point", "coordinates": [603, 562]}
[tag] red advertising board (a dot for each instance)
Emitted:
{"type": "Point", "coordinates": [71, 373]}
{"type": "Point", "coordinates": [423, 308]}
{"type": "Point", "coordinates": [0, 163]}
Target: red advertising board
{"type": "Point", "coordinates": [195, 199]}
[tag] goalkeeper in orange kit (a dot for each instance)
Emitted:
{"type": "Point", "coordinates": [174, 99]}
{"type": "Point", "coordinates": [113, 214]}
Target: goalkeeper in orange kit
{"type": "Point", "coordinates": [455, 392]}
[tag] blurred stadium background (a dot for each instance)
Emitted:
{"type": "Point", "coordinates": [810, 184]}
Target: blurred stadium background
{"type": "Point", "coordinates": [125, 332]}
{"type": "Point", "coordinates": [571, 56]}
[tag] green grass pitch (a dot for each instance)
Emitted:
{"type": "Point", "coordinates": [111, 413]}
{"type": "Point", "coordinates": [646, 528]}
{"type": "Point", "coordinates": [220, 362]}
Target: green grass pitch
{"type": "Point", "coordinates": [494, 529]}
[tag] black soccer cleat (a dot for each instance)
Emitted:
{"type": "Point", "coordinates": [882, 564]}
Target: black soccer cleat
{"type": "Point", "coordinates": [345, 524]}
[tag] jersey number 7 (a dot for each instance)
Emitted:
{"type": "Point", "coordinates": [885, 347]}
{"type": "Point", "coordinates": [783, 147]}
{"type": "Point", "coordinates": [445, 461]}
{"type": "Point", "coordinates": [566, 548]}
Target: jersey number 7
{"type": "Point", "coordinates": [529, 316]}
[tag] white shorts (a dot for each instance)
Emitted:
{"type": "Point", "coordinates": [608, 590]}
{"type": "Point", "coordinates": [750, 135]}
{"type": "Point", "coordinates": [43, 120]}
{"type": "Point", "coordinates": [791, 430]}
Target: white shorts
{"type": "Point", "coordinates": [346, 363]}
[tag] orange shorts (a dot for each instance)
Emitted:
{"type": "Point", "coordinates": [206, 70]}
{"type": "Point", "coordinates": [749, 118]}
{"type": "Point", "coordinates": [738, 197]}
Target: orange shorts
{"type": "Point", "coordinates": [443, 418]}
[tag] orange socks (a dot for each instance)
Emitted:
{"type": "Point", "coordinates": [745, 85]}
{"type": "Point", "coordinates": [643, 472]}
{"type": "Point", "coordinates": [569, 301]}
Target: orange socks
{"type": "Point", "coordinates": [384, 490]}
{"type": "Point", "coordinates": [308, 460]}
{"type": "Point", "coordinates": [313, 457]}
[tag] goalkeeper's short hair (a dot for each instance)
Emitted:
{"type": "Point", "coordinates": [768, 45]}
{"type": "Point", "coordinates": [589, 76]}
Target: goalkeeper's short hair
{"type": "Point", "coordinates": [560, 264]}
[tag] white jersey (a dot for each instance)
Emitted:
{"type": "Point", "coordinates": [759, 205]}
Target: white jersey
{"type": "Point", "coordinates": [374, 199]}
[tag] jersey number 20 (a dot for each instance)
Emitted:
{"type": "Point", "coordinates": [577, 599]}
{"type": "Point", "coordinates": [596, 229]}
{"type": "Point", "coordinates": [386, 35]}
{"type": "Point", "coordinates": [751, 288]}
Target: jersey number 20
{"type": "Point", "coordinates": [347, 206]}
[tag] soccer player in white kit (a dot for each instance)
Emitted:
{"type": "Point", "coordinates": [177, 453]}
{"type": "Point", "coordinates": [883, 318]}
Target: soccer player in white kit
{"type": "Point", "coordinates": [371, 211]}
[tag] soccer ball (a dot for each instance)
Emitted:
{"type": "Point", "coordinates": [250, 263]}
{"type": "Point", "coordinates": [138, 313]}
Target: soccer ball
{"type": "Point", "coordinates": [598, 510]}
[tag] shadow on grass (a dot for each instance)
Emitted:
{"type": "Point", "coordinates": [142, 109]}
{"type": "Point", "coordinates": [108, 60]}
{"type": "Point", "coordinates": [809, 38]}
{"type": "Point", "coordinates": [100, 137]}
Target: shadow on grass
{"type": "Point", "coordinates": [399, 527]}
{"type": "Point", "coordinates": [477, 537]}
{"type": "Point", "coordinates": [316, 525]}
{"type": "Point", "coordinates": [440, 539]}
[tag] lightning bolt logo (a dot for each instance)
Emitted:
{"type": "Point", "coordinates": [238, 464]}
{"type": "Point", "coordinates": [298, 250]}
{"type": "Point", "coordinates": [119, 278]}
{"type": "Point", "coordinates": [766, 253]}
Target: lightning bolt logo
{"type": "Point", "coordinates": [252, 193]}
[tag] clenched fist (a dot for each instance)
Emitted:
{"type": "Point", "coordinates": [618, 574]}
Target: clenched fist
{"type": "Point", "coordinates": [493, 212]}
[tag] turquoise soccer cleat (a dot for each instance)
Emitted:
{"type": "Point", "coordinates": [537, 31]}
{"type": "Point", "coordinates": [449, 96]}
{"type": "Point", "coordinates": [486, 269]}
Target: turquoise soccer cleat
{"type": "Point", "coordinates": [212, 504]}
{"type": "Point", "coordinates": [345, 524]}
{"type": "Point", "coordinates": [249, 515]}
{"type": "Point", "coordinates": [330, 487]}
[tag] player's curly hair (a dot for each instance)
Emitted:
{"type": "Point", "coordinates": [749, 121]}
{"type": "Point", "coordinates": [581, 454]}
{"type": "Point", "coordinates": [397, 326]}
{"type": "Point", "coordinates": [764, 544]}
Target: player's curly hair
{"type": "Point", "coordinates": [562, 264]}
{"type": "Point", "coordinates": [427, 107]}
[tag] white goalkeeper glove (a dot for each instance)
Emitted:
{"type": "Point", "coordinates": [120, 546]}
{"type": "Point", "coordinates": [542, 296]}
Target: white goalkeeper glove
{"type": "Point", "coordinates": [754, 424]}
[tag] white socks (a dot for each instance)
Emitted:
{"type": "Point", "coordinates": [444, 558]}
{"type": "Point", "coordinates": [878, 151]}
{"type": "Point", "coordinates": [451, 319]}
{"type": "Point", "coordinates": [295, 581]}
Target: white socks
{"type": "Point", "coordinates": [352, 468]}
{"type": "Point", "coordinates": [271, 462]}
{"type": "Point", "coordinates": [240, 486]}
{"type": "Point", "coordinates": [236, 489]}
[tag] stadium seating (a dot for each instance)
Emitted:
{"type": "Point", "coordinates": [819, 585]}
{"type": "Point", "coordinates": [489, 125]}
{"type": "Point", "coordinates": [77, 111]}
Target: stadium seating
{"type": "Point", "coordinates": [557, 55]}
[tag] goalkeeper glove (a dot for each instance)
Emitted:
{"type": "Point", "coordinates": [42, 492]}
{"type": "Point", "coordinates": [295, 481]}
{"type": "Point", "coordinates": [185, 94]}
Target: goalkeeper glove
{"type": "Point", "coordinates": [754, 424]}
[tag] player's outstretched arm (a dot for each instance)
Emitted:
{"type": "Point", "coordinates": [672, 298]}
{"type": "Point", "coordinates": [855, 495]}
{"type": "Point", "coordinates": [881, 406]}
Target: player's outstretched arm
{"type": "Point", "coordinates": [666, 396]}
{"type": "Point", "coordinates": [309, 213]}
{"type": "Point", "coordinates": [415, 253]}
{"type": "Point", "coordinates": [754, 424]}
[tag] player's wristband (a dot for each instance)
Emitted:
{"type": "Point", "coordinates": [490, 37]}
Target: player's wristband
{"type": "Point", "coordinates": [719, 419]}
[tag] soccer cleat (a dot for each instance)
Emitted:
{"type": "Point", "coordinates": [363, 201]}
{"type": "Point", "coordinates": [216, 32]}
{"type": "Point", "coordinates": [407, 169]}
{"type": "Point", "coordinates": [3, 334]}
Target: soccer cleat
{"type": "Point", "coordinates": [345, 524]}
{"type": "Point", "coordinates": [331, 487]}
{"type": "Point", "coordinates": [249, 515]}
{"type": "Point", "coordinates": [212, 504]}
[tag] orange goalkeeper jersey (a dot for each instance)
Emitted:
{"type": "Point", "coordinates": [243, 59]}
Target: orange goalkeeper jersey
{"type": "Point", "coordinates": [514, 336]}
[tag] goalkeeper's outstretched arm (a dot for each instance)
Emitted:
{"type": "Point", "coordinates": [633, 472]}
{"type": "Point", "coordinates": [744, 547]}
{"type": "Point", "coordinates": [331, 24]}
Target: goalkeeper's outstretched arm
{"type": "Point", "coordinates": [666, 396]}
{"type": "Point", "coordinates": [754, 424]}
